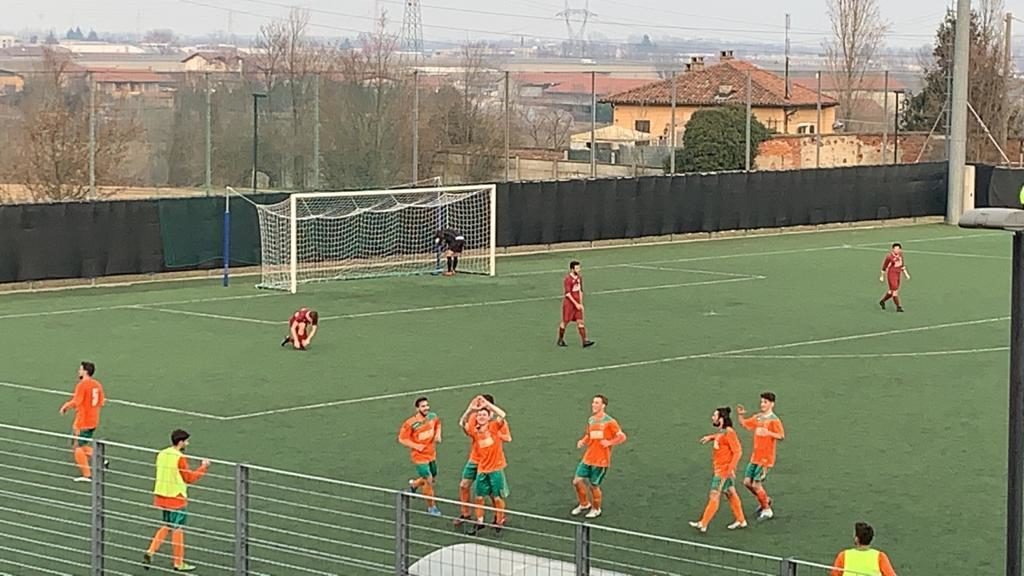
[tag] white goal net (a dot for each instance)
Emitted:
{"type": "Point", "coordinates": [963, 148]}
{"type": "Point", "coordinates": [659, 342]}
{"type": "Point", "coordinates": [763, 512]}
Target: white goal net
{"type": "Point", "coordinates": [323, 236]}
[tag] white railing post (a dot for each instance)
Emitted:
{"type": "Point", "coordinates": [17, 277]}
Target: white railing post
{"type": "Point", "coordinates": [402, 534]}
{"type": "Point", "coordinates": [241, 520]}
{"type": "Point", "coordinates": [97, 513]}
{"type": "Point", "coordinates": [582, 549]}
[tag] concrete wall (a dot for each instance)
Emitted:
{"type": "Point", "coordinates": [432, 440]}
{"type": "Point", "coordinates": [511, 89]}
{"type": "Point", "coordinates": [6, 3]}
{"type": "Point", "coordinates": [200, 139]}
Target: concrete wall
{"type": "Point", "coordinates": [450, 168]}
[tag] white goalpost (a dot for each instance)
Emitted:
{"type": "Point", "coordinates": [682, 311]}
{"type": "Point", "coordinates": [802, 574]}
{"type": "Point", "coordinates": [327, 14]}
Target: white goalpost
{"type": "Point", "coordinates": [325, 236]}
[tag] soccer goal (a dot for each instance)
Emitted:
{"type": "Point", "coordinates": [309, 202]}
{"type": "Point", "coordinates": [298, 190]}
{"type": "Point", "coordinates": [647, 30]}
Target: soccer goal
{"type": "Point", "coordinates": [324, 236]}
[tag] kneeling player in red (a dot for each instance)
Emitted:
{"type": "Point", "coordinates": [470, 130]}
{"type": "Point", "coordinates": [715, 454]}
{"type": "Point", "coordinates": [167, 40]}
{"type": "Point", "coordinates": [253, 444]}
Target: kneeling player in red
{"type": "Point", "coordinates": [893, 269]}
{"type": "Point", "coordinates": [301, 328]}
{"type": "Point", "coordinates": [572, 305]}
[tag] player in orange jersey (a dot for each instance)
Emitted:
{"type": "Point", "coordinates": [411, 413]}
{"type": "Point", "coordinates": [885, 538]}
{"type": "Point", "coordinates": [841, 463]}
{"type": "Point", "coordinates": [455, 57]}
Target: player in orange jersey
{"type": "Point", "coordinates": [420, 434]}
{"type": "Point", "coordinates": [301, 328]}
{"type": "Point", "coordinates": [725, 455]}
{"type": "Point", "coordinates": [768, 432]}
{"type": "Point", "coordinates": [572, 305]}
{"type": "Point", "coordinates": [489, 431]}
{"type": "Point", "coordinates": [170, 496]}
{"type": "Point", "coordinates": [87, 402]}
{"type": "Point", "coordinates": [470, 470]}
{"type": "Point", "coordinates": [893, 268]}
{"type": "Point", "coordinates": [601, 434]}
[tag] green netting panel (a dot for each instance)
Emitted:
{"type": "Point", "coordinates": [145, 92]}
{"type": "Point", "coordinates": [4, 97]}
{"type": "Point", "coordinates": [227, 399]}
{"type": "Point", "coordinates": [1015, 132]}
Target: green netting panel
{"type": "Point", "coordinates": [192, 231]}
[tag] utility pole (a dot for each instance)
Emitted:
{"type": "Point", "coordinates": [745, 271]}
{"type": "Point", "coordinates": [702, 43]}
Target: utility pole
{"type": "Point", "coordinates": [885, 118]}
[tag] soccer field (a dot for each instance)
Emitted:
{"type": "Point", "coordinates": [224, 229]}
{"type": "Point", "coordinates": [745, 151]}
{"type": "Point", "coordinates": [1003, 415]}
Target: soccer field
{"type": "Point", "coordinates": [897, 419]}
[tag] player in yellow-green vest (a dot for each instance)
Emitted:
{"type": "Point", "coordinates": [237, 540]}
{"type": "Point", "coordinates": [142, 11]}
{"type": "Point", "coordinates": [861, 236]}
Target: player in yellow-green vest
{"type": "Point", "coordinates": [862, 559]}
{"type": "Point", "coordinates": [170, 495]}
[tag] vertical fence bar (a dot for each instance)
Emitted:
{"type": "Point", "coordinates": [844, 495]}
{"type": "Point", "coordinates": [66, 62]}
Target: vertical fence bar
{"type": "Point", "coordinates": [241, 520]}
{"type": "Point", "coordinates": [316, 132]}
{"type": "Point", "coordinates": [593, 125]}
{"type": "Point", "coordinates": [92, 137]}
{"type": "Point", "coordinates": [787, 567]}
{"type": "Point", "coordinates": [885, 119]}
{"type": "Point", "coordinates": [746, 129]}
{"type": "Point", "coordinates": [582, 549]}
{"type": "Point", "coordinates": [672, 156]}
{"type": "Point", "coordinates": [208, 179]}
{"type": "Point", "coordinates": [96, 524]}
{"type": "Point", "coordinates": [402, 534]}
{"type": "Point", "coordinates": [415, 127]}
{"type": "Point", "coordinates": [508, 123]}
{"type": "Point", "coordinates": [817, 129]}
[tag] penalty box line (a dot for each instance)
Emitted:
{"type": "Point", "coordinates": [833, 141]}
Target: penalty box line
{"type": "Point", "coordinates": [114, 401]}
{"type": "Point", "coordinates": [739, 352]}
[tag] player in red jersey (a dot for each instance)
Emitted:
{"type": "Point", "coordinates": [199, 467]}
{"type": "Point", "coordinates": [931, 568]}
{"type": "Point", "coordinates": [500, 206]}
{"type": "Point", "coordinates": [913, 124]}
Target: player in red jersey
{"type": "Point", "coordinates": [893, 269]}
{"type": "Point", "coordinates": [572, 305]}
{"type": "Point", "coordinates": [301, 328]}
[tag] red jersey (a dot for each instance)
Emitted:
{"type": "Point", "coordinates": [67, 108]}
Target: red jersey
{"type": "Point", "coordinates": [893, 264]}
{"type": "Point", "coordinates": [301, 317]}
{"type": "Point", "coordinates": [573, 284]}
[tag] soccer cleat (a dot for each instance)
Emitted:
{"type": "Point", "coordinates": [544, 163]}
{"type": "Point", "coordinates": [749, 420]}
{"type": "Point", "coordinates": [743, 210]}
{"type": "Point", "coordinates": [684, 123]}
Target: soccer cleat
{"type": "Point", "coordinates": [476, 527]}
{"type": "Point", "coordinates": [899, 308]}
{"type": "Point", "coordinates": [766, 514]}
{"type": "Point", "coordinates": [882, 304]}
{"type": "Point", "coordinates": [579, 510]}
{"type": "Point", "coordinates": [498, 526]}
{"type": "Point", "coordinates": [588, 343]}
{"type": "Point", "coordinates": [434, 511]}
{"type": "Point", "coordinates": [700, 527]}
{"type": "Point", "coordinates": [184, 568]}
{"type": "Point", "coordinates": [147, 560]}
{"type": "Point", "coordinates": [737, 525]}
{"type": "Point", "coordinates": [593, 513]}
{"type": "Point", "coordinates": [460, 520]}
{"type": "Point", "coordinates": [449, 273]}
{"type": "Point", "coordinates": [412, 486]}
{"type": "Point", "coordinates": [562, 344]}
{"type": "Point", "coordinates": [83, 479]}
{"type": "Point", "coordinates": [106, 464]}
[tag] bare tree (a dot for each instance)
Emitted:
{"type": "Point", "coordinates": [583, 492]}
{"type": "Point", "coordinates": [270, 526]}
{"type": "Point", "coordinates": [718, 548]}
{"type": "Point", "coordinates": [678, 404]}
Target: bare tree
{"type": "Point", "coordinates": [53, 151]}
{"type": "Point", "coordinates": [858, 33]}
{"type": "Point", "coordinates": [547, 127]}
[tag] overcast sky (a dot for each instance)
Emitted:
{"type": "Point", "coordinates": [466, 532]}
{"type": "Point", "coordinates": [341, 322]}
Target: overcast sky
{"type": "Point", "coordinates": [912, 22]}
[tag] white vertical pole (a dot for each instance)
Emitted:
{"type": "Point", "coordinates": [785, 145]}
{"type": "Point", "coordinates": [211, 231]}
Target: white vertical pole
{"type": "Point", "coordinates": [885, 119]}
{"type": "Point", "coordinates": [494, 229]}
{"type": "Point", "coordinates": [958, 113]}
{"type": "Point", "coordinates": [293, 244]}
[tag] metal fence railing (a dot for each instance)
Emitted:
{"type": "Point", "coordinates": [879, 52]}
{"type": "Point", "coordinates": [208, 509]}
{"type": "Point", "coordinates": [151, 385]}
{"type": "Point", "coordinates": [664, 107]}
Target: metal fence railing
{"type": "Point", "coordinates": [251, 520]}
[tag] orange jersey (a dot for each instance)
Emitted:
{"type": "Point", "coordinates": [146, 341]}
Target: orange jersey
{"type": "Point", "coordinates": [489, 445]}
{"type": "Point", "coordinates": [726, 452]}
{"type": "Point", "coordinates": [764, 446]}
{"type": "Point", "coordinates": [474, 451]}
{"type": "Point", "coordinates": [604, 429]}
{"type": "Point", "coordinates": [87, 401]}
{"type": "Point", "coordinates": [190, 477]}
{"type": "Point", "coordinates": [421, 430]}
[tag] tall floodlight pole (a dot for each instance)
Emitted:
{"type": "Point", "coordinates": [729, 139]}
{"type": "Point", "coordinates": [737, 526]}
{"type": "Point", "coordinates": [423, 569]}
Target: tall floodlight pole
{"type": "Point", "coordinates": [958, 110]}
{"type": "Point", "coordinates": [1011, 220]}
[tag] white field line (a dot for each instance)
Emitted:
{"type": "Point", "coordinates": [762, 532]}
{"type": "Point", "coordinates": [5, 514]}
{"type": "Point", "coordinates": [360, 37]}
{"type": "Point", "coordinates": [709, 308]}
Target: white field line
{"type": "Point", "coordinates": [510, 274]}
{"type": "Point", "coordinates": [624, 365]}
{"type": "Point", "coordinates": [460, 305]}
{"type": "Point", "coordinates": [694, 271]}
{"type": "Point", "coordinates": [67, 394]}
{"type": "Point", "coordinates": [133, 306]}
{"type": "Point", "coordinates": [934, 253]}
{"type": "Point", "coordinates": [212, 316]}
{"type": "Point", "coordinates": [863, 356]}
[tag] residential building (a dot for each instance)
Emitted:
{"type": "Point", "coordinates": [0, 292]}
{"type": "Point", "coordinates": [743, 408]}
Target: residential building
{"type": "Point", "coordinates": [793, 111]}
{"type": "Point", "coordinates": [214, 61]}
{"type": "Point", "coordinates": [7, 41]}
{"type": "Point", "coordinates": [126, 83]}
{"type": "Point", "coordinates": [869, 100]}
{"type": "Point", "coordinates": [11, 82]}
{"type": "Point", "coordinates": [571, 91]}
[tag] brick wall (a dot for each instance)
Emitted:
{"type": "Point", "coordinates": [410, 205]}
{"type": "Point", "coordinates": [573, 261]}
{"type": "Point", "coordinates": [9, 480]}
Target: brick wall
{"type": "Point", "coordinates": [795, 152]}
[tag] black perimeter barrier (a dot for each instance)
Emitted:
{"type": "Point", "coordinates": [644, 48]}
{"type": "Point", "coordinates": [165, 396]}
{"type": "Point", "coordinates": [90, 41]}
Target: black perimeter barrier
{"type": "Point", "coordinates": [996, 187]}
{"type": "Point", "coordinates": [87, 240]}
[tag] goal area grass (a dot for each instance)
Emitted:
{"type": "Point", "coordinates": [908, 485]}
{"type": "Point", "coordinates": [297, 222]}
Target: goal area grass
{"type": "Point", "coordinates": [898, 419]}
